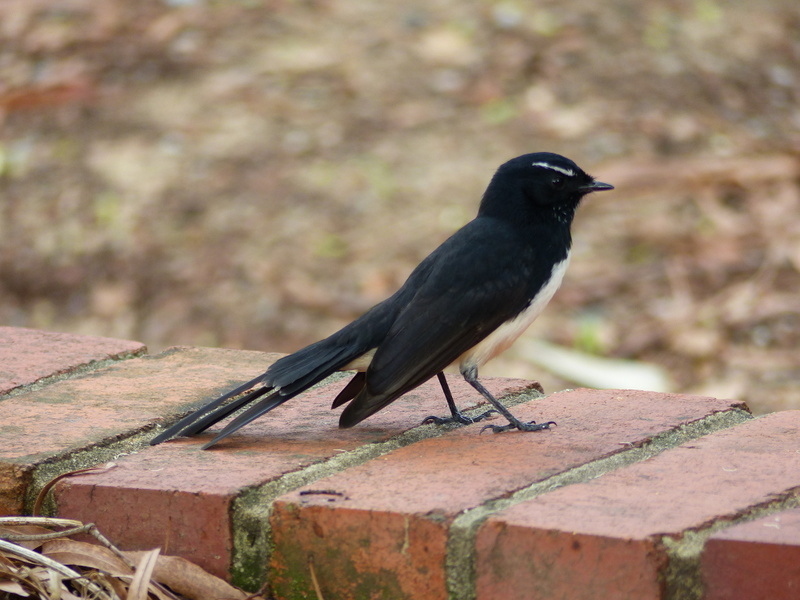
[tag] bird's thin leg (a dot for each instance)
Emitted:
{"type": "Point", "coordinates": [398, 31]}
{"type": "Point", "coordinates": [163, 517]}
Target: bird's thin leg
{"type": "Point", "coordinates": [457, 415]}
{"type": "Point", "coordinates": [471, 377]}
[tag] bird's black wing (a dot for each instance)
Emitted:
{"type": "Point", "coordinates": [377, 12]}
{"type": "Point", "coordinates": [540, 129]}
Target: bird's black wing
{"type": "Point", "coordinates": [484, 275]}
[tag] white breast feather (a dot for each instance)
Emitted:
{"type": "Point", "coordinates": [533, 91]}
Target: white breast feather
{"type": "Point", "coordinates": [501, 338]}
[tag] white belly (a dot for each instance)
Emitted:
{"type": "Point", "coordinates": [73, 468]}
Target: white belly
{"type": "Point", "coordinates": [501, 338]}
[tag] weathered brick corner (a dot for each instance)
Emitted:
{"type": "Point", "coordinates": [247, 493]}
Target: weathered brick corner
{"type": "Point", "coordinates": [633, 495]}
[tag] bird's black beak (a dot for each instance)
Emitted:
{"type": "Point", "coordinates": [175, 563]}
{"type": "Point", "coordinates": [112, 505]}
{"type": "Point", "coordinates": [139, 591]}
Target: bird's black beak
{"type": "Point", "coordinates": [597, 186]}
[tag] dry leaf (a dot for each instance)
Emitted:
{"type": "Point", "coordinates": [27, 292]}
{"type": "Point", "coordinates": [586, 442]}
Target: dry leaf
{"type": "Point", "coordinates": [189, 580]}
{"type": "Point", "coordinates": [83, 554]}
{"type": "Point", "coordinates": [47, 576]}
{"type": "Point", "coordinates": [12, 587]}
{"type": "Point", "coordinates": [144, 573]}
{"type": "Point", "coordinates": [54, 585]}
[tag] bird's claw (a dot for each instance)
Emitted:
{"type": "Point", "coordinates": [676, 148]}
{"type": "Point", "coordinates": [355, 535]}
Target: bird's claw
{"type": "Point", "coordinates": [531, 426]}
{"type": "Point", "coordinates": [483, 415]}
{"type": "Point", "coordinates": [437, 420]}
{"type": "Point", "coordinates": [460, 418]}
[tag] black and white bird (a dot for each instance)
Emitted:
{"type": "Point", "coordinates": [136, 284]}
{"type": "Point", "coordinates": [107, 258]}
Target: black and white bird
{"type": "Point", "coordinates": [467, 302]}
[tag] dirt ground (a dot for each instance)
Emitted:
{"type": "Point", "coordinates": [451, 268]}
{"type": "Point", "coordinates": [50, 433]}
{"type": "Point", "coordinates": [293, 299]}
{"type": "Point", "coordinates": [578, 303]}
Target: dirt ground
{"type": "Point", "coordinates": [255, 175]}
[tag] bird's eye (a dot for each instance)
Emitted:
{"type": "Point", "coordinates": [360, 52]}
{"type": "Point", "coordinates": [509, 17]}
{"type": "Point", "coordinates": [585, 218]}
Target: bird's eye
{"type": "Point", "coordinates": [557, 182]}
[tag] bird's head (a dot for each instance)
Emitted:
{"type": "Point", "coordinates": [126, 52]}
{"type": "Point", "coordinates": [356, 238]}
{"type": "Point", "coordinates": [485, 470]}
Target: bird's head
{"type": "Point", "coordinates": [541, 183]}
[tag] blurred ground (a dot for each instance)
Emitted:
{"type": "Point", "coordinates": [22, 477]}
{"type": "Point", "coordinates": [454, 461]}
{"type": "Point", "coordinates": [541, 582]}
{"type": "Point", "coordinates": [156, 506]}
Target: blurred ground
{"type": "Point", "coordinates": [255, 175]}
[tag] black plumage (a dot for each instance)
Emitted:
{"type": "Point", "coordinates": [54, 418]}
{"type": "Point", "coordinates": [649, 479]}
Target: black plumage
{"type": "Point", "coordinates": [465, 303]}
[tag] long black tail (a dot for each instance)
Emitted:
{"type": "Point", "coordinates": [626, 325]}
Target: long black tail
{"type": "Point", "coordinates": [266, 398]}
{"type": "Point", "coordinates": [261, 399]}
{"type": "Point", "coordinates": [292, 375]}
{"type": "Point", "coordinates": [216, 410]}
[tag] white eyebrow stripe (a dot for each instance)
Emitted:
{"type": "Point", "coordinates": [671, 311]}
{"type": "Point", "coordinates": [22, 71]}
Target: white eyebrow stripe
{"type": "Point", "coordinates": [563, 171]}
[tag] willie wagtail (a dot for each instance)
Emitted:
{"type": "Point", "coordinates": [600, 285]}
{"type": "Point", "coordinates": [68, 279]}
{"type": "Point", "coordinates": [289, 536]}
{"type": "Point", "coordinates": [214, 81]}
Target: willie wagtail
{"type": "Point", "coordinates": [467, 302]}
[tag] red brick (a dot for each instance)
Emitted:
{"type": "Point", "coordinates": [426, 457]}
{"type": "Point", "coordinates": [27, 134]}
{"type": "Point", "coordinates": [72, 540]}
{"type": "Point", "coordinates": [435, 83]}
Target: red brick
{"type": "Point", "coordinates": [758, 559]}
{"type": "Point", "coordinates": [96, 408]}
{"type": "Point", "coordinates": [600, 539]}
{"type": "Point", "coordinates": [179, 497]}
{"type": "Point", "coordinates": [28, 355]}
{"type": "Point", "coordinates": [122, 398]}
{"type": "Point", "coordinates": [383, 526]}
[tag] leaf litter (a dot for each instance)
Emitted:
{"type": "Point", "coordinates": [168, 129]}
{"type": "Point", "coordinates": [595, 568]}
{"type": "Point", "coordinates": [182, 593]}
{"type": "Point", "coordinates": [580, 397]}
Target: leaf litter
{"type": "Point", "coordinates": [34, 565]}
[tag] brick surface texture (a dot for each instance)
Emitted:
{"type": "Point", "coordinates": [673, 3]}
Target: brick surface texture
{"type": "Point", "coordinates": [28, 355]}
{"type": "Point", "coordinates": [186, 493]}
{"type": "Point", "coordinates": [624, 514]}
{"type": "Point", "coordinates": [423, 487]}
{"type": "Point", "coordinates": [633, 495]}
{"type": "Point", "coordinates": [755, 559]}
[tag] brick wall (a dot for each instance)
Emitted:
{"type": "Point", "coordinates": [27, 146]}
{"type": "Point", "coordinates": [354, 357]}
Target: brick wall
{"type": "Point", "coordinates": [633, 495]}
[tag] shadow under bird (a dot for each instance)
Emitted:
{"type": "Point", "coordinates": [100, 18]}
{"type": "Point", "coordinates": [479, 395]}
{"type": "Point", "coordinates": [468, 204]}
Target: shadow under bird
{"type": "Point", "coordinates": [467, 302]}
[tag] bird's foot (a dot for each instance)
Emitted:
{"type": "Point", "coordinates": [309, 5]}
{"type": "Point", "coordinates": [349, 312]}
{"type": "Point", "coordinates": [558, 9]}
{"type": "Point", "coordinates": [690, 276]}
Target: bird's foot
{"type": "Point", "coordinates": [458, 418]}
{"type": "Point", "coordinates": [532, 426]}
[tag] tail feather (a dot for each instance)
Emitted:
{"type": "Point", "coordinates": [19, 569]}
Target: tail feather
{"type": "Point", "coordinates": [290, 376]}
{"type": "Point", "coordinates": [202, 411]}
{"type": "Point", "coordinates": [299, 371]}
{"type": "Point", "coordinates": [265, 405]}
{"type": "Point", "coordinates": [223, 411]}
{"type": "Point", "coordinates": [284, 380]}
